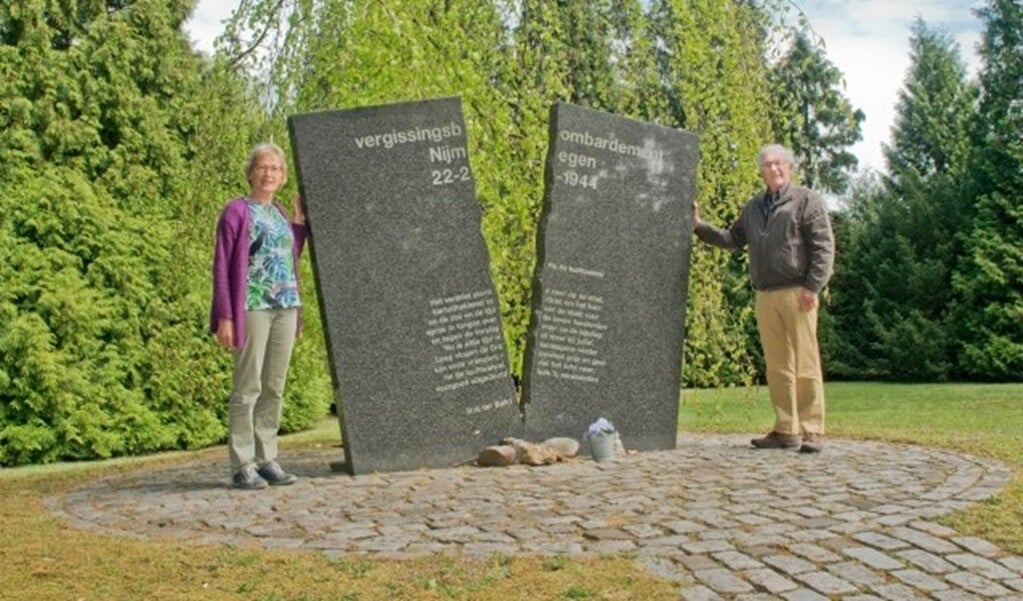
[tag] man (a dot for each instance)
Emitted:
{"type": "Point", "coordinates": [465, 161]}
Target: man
{"type": "Point", "coordinates": [791, 254]}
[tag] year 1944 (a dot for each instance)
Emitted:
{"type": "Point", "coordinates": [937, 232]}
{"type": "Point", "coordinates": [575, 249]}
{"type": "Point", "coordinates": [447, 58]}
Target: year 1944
{"type": "Point", "coordinates": [580, 181]}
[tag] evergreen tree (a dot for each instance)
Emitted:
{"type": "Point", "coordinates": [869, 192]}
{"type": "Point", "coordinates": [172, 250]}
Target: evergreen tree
{"type": "Point", "coordinates": [934, 108]}
{"type": "Point", "coordinates": [110, 125]}
{"type": "Point", "coordinates": [813, 116]}
{"type": "Point", "coordinates": [845, 341]}
{"type": "Point", "coordinates": [92, 164]}
{"type": "Point", "coordinates": [925, 213]}
{"type": "Point", "coordinates": [893, 292]}
{"type": "Point", "coordinates": [989, 277]}
{"type": "Point", "coordinates": [883, 333]}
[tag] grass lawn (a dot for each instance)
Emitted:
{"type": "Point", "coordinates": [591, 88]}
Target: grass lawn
{"type": "Point", "coordinates": [43, 559]}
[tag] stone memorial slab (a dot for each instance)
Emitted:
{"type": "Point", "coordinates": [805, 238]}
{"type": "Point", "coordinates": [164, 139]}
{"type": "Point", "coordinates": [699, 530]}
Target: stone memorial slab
{"type": "Point", "coordinates": [410, 312]}
{"type": "Point", "coordinates": [610, 287]}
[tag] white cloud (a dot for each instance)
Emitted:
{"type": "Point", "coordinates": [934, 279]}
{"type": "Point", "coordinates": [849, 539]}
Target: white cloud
{"type": "Point", "coordinates": [207, 22]}
{"type": "Point", "coordinates": [868, 40]}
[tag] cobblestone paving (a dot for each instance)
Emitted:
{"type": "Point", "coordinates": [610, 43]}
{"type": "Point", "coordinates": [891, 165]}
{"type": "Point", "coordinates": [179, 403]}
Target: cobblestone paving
{"type": "Point", "coordinates": [722, 519]}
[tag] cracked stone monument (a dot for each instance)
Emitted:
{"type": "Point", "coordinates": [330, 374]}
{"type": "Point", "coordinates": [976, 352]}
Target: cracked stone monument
{"type": "Point", "coordinates": [610, 287]}
{"type": "Point", "coordinates": [410, 312]}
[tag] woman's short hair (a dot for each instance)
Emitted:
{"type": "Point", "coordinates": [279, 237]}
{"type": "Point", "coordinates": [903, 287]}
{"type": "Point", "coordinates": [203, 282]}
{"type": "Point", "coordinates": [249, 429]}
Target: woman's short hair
{"type": "Point", "coordinates": [775, 149]}
{"type": "Point", "coordinates": [265, 148]}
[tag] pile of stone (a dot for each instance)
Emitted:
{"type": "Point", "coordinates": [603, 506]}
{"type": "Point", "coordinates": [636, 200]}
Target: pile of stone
{"type": "Point", "coordinates": [517, 451]}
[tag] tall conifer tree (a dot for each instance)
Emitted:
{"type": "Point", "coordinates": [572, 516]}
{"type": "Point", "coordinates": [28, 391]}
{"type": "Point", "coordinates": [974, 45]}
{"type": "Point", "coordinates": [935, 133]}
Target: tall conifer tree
{"type": "Point", "coordinates": [814, 116]}
{"type": "Point", "coordinates": [905, 256]}
{"type": "Point", "coordinates": [102, 350]}
{"type": "Point", "coordinates": [989, 278]}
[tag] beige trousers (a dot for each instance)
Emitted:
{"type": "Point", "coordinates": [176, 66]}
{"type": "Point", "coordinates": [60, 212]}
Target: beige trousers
{"type": "Point", "coordinates": [260, 370]}
{"type": "Point", "coordinates": [789, 338]}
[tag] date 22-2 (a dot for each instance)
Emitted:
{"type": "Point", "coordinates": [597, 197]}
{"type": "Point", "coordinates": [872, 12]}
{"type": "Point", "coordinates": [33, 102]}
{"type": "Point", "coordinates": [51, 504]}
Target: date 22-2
{"type": "Point", "coordinates": [450, 176]}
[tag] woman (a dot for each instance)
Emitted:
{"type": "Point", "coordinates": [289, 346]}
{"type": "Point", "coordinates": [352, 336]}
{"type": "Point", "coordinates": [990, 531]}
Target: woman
{"type": "Point", "coordinates": [256, 313]}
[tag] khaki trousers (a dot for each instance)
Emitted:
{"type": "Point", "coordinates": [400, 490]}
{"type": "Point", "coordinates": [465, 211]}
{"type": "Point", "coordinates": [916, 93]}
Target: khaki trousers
{"type": "Point", "coordinates": [260, 370]}
{"type": "Point", "coordinates": [789, 338]}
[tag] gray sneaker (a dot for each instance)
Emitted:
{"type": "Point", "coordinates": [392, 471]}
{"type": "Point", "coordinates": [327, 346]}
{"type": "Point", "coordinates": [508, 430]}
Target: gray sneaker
{"type": "Point", "coordinates": [272, 473]}
{"type": "Point", "coordinates": [248, 479]}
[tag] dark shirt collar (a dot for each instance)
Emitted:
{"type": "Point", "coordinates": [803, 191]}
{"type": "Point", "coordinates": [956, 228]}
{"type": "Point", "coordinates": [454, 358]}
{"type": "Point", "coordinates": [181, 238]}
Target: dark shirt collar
{"type": "Point", "coordinates": [776, 196]}
{"type": "Point", "coordinates": [771, 199]}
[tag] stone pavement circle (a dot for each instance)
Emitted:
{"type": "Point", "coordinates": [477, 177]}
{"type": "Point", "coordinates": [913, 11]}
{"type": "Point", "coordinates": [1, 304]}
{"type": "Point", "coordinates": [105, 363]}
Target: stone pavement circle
{"type": "Point", "coordinates": [722, 520]}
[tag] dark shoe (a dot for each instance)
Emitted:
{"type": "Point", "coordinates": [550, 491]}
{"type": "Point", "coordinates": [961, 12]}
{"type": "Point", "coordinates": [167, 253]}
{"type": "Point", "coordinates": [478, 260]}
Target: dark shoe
{"type": "Point", "coordinates": [811, 443]}
{"type": "Point", "coordinates": [248, 479]}
{"type": "Point", "coordinates": [776, 440]}
{"type": "Point", "coordinates": [272, 473]}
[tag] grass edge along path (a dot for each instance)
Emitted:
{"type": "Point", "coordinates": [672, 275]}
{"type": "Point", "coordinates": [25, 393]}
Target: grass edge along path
{"type": "Point", "coordinates": [984, 420]}
{"type": "Point", "coordinates": [44, 559]}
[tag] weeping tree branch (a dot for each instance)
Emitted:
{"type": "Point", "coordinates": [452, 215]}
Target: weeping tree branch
{"type": "Point", "coordinates": [258, 41]}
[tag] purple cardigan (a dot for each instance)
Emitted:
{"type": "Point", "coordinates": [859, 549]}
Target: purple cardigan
{"type": "Point", "coordinates": [231, 264]}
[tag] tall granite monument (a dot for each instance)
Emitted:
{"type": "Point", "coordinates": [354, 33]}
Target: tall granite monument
{"type": "Point", "coordinates": [411, 316]}
{"type": "Point", "coordinates": [610, 287]}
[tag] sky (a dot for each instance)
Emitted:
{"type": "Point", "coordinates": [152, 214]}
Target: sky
{"type": "Point", "coordinates": [868, 40]}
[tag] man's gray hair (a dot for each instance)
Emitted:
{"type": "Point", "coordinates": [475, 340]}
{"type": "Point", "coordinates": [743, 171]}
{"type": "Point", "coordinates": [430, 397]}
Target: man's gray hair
{"type": "Point", "coordinates": [775, 149]}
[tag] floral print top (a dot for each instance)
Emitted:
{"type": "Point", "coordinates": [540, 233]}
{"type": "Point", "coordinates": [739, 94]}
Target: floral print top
{"type": "Point", "coordinates": [272, 282]}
